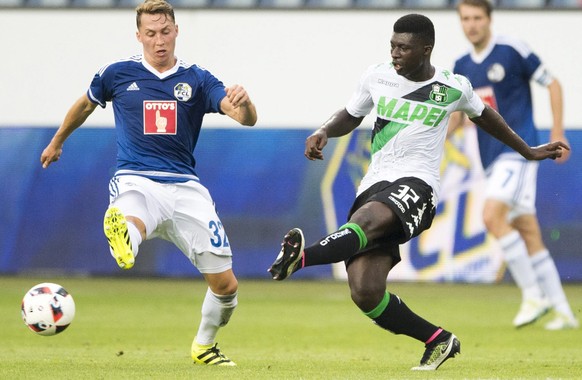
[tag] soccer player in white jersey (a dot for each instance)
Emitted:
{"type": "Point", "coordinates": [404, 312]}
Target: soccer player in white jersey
{"type": "Point", "coordinates": [500, 69]}
{"type": "Point", "coordinates": [159, 103]}
{"type": "Point", "coordinates": [397, 197]}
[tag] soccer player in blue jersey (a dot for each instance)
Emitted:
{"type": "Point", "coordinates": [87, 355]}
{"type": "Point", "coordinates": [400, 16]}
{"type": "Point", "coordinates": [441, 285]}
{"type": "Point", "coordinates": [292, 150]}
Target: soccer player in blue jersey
{"type": "Point", "coordinates": [397, 197]}
{"type": "Point", "coordinates": [159, 102]}
{"type": "Point", "coordinates": [501, 69]}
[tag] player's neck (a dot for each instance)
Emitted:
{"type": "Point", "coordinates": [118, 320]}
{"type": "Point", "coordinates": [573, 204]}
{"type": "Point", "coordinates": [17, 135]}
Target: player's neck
{"type": "Point", "coordinates": [161, 66]}
{"type": "Point", "coordinates": [482, 45]}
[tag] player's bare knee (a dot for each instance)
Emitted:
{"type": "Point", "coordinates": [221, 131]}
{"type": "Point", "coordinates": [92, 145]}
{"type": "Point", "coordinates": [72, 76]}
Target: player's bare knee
{"type": "Point", "coordinates": [367, 296]}
{"type": "Point", "coordinates": [376, 220]}
{"type": "Point", "coordinates": [488, 222]}
{"type": "Point", "coordinates": [222, 284]}
{"type": "Point", "coordinates": [496, 226]}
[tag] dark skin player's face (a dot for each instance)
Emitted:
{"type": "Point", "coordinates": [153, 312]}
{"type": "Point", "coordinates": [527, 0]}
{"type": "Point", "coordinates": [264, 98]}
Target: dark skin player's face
{"type": "Point", "coordinates": [410, 57]}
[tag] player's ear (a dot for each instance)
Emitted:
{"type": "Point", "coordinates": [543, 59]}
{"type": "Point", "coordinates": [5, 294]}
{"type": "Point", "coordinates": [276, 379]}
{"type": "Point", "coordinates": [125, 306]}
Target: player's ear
{"type": "Point", "coordinates": [138, 36]}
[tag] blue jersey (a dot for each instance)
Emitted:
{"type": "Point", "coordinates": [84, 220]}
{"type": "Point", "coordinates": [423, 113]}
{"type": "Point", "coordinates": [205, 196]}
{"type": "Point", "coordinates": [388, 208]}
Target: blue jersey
{"type": "Point", "coordinates": [158, 116]}
{"type": "Point", "coordinates": [501, 76]}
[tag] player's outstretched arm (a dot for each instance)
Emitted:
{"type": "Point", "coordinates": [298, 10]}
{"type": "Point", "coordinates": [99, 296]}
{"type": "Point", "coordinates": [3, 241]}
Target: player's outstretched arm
{"type": "Point", "coordinates": [75, 117]}
{"type": "Point", "coordinates": [339, 124]}
{"type": "Point", "coordinates": [557, 106]}
{"type": "Point", "coordinates": [494, 124]}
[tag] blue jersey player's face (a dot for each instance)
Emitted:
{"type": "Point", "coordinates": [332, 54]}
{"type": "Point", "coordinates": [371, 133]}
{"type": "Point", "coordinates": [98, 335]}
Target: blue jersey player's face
{"type": "Point", "coordinates": [157, 33]}
{"type": "Point", "coordinates": [476, 25]}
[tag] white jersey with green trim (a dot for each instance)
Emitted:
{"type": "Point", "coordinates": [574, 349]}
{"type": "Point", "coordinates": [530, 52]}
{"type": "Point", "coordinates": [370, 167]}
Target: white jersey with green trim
{"type": "Point", "coordinates": [411, 121]}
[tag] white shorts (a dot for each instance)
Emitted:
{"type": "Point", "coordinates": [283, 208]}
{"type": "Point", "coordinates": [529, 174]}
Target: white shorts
{"type": "Point", "coordinates": [182, 213]}
{"type": "Point", "coordinates": [512, 180]}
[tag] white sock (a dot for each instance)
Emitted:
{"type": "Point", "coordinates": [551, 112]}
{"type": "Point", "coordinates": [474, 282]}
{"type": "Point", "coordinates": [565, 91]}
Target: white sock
{"type": "Point", "coordinates": [549, 280]}
{"type": "Point", "coordinates": [519, 265]}
{"type": "Point", "coordinates": [216, 312]}
{"type": "Point", "coordinates": [134, 237]}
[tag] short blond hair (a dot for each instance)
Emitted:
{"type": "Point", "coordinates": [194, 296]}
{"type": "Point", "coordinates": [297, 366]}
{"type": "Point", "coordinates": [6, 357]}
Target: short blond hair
{"type": "Point", "coordinates": [153, 7]}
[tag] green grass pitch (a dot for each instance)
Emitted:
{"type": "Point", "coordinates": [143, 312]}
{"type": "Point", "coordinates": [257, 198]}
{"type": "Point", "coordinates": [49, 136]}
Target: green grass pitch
{"type": "Point", "coordinates": [143, 328]}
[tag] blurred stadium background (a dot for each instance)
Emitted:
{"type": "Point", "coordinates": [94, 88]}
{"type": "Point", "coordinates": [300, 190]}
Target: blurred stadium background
{"type": "Point", "coordinates": [502, 4]}
{"type": "Point", "coordinates": [299, 67]}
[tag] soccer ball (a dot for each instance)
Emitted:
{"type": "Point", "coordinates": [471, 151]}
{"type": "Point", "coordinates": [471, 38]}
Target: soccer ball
{"type": "Point", "coordinates": [47, 309]}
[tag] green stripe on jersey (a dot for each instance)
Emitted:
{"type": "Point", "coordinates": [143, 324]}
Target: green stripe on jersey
{"type": "Point", "coordinates": [386, 134]}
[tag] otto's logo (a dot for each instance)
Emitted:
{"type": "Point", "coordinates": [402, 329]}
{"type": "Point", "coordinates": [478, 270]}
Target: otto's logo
{"type": "Point", "coordinates": [488, 96]}
{"type": "Point", "coordinates": [159, 117]}
{"type": "Point", "coordinates": [183, 92]}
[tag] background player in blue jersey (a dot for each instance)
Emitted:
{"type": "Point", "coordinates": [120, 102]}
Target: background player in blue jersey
{"type": "Point", "coordinates": [159, 103]}
{"type": "Point", "coordinates": [501, 69]}
{"type": "Point", "coordinates": [397, 197]}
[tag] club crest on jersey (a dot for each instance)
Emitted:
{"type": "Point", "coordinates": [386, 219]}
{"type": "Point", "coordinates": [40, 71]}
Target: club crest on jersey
{"type": "Point", "coordinates": [438, 93]}
{"type": "Point", "coordinates": [496, 73]}
{"type": "Point", "coordinates": [159, 117]}
{"type": "Point", "coordinates": [183, 92]}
